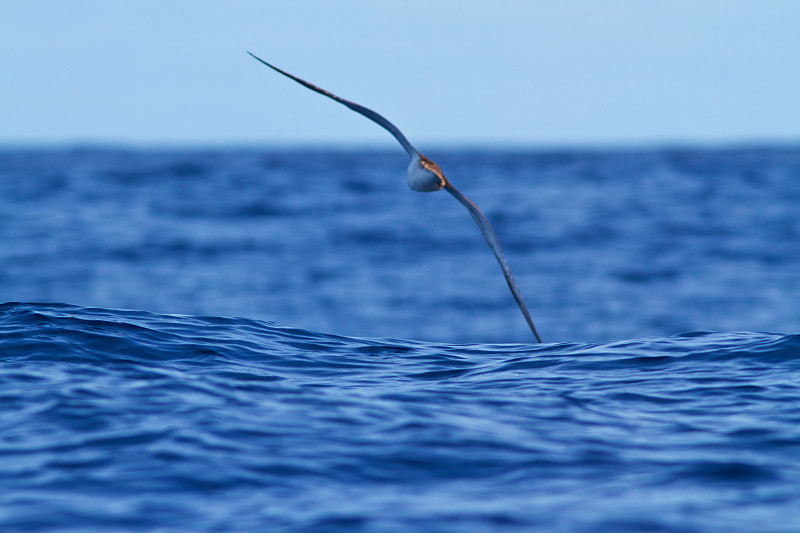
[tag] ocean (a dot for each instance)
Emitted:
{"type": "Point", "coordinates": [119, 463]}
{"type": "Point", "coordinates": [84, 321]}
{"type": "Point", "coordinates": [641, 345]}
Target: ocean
{"type": "Point", "coordinates": [291, 340]}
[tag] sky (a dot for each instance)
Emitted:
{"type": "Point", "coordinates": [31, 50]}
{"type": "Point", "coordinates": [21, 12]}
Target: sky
{"type": "Point", "coordinates": [446, 72]}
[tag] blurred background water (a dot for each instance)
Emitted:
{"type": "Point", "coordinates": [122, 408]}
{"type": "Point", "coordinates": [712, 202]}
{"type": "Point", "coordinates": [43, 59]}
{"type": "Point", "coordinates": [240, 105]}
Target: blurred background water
{"type": "Point", "coordinates": [133, 399]}
{"type": "Point", "coordinates": [604, 245]}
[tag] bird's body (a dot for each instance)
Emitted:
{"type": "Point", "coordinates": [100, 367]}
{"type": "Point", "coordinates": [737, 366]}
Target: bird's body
{"type": "Point", "coordinates": [425, 176]}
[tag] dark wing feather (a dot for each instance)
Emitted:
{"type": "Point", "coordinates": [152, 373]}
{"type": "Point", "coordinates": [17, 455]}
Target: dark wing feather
{"type": "Point", "coordinates": [369, 113]}
{"type": "Point", "coordinates": [494, 244]}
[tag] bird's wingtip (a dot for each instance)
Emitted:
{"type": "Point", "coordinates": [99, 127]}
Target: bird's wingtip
{"type": "Point", "coordinates": [259, 59]}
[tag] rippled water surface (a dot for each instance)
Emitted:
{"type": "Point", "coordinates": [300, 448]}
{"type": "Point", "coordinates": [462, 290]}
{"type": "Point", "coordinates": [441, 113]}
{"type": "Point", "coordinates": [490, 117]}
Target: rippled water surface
{"type": "Point", "coordinates": [664, 282]}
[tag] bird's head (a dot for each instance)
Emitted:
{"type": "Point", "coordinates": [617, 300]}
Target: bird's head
{"type": "Point", "coordinates": [424, 175]}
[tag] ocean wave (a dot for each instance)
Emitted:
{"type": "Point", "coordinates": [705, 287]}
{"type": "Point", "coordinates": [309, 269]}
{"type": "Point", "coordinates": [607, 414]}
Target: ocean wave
{"type": "Point", "coordinates": [129, 420]}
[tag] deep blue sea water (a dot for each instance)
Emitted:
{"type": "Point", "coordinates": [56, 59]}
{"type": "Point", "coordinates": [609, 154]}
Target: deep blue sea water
{"type": "Point", "coordinates": [383, 379]}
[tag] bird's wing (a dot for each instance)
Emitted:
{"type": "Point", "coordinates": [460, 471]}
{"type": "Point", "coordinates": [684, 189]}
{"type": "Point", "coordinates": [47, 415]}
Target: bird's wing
{"type": "Point", "coordinates": [476, 214]}
{"type": "Point", "coordinates": [494, 244]}
{"type": "Point", "coordinates": [369, 113]}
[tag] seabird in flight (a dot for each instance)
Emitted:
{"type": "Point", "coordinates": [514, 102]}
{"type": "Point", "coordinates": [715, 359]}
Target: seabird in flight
{"type": "Point", "coordinates": [425, 176]}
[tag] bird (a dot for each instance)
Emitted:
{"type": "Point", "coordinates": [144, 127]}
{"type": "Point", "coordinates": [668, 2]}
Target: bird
{"type": "Point", "coordinates": [425, 176]}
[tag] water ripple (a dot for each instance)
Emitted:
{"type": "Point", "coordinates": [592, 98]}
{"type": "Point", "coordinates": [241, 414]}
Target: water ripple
{"type": "Point", "coordinates": [211, 423]}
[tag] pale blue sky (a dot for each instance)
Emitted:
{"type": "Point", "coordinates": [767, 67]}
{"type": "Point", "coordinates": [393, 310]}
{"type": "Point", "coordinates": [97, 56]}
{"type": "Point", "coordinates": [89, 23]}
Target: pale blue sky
{"type": "Point", "coordinates": [525, 72]}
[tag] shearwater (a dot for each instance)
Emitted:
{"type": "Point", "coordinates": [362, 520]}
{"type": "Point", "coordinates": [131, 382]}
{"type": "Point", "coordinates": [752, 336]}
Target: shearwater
{"type": "Point", "coordinates": [425, 176]}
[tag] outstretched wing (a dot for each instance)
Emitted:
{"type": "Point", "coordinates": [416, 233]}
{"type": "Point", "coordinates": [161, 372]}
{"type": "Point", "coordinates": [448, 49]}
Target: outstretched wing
{"type": "Point", "coordinates": [483, 223]}
{"type": "Point", "coordinates": [369, 113]}
{"type": "Point", "coordinates": [494, 244]}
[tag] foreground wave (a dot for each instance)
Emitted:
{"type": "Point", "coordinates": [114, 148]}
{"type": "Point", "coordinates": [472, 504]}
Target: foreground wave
{"type": "Point", "coordinates": [127, 420]}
